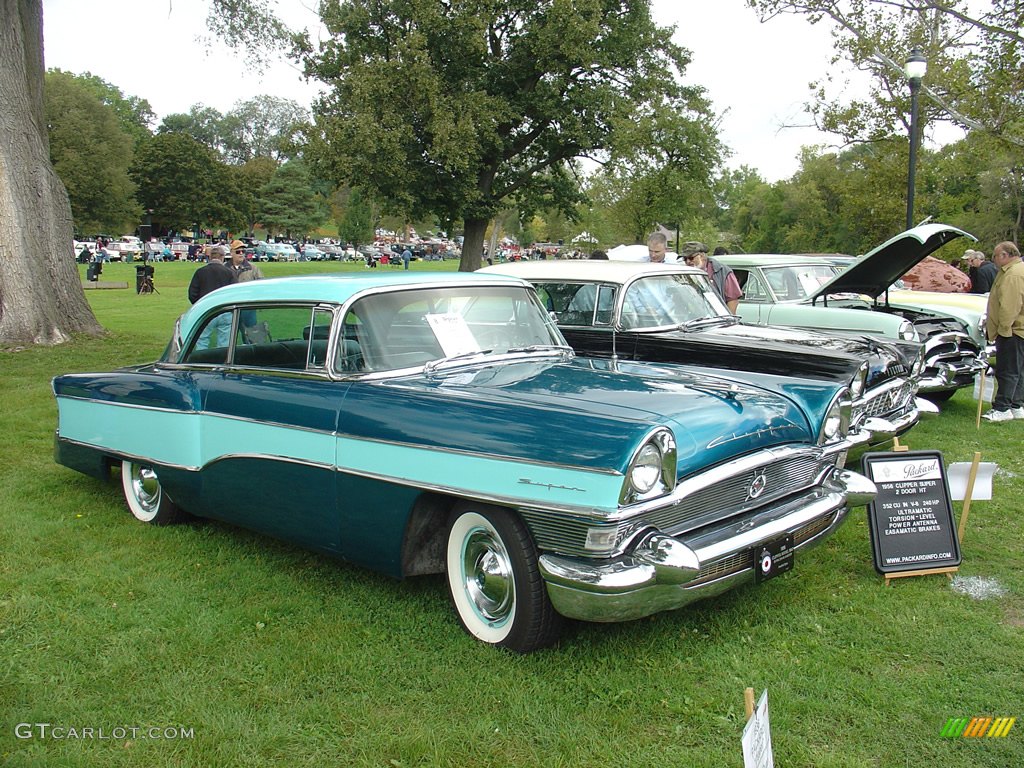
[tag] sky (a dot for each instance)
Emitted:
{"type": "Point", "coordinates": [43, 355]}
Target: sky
{"type": "Point", "coordinates": [756, 75]}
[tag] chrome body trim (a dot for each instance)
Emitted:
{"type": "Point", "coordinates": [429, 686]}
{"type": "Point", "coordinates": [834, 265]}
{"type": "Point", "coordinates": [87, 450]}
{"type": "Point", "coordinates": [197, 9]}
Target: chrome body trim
{"type": "Point", "coordinates": [665, 572]}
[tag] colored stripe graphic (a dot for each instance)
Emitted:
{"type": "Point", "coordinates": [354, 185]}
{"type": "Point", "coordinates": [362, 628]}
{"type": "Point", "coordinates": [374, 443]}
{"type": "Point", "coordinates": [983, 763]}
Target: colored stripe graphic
{"type": "Point", "coordinates": [977, 727]}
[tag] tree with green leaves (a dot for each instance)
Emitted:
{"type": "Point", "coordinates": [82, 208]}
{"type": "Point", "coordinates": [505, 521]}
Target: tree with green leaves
{"type": "Point", "coordinates": [91, 152]}
{"type": "Point", "coordinates": [134, 113]}
{"type": "Point", "coordinates": [202, 123]}
{"type": "Point", "coordinates": [662, 166]}
{"type": "Point", "coordinates": [288, 204]}
{"type": "Point", "coordinates": [975, 78]}
{"type": "Point", "coordinates": [462, 109]}
{"type": "Point", "coordinates": [266, 126]}
{"type": "Point", "coordinates": [356, 225]}
{"type": "Point", "coordinates": [249, 180]}
{"type": "Point", "coordinates": [184, 184]}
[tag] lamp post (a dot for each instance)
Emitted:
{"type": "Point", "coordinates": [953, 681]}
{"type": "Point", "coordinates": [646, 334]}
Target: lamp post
{"type": "Point", "coordinates": [915, 69]}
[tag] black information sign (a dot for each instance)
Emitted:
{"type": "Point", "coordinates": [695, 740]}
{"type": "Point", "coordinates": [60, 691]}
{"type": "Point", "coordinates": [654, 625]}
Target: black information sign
{"type": "Point", "coordinates": [911, 518]}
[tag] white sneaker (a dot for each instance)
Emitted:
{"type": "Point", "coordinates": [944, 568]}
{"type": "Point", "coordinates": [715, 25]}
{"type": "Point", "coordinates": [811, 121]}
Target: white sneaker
{"type": "Point", "coordinates": [998, 416]}
{"type": "Point", "coordinates": [1018, 413]}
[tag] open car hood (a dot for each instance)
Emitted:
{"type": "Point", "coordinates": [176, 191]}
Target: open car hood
{"type": "Point", "coordinates": [876, 270]}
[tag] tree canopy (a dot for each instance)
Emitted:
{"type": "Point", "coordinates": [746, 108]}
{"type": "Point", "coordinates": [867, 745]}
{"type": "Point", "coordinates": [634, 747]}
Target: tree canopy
{"type": "Point", "coordinates": [91, 152]}
{"type": "Point", "coordinates": [462, 109]}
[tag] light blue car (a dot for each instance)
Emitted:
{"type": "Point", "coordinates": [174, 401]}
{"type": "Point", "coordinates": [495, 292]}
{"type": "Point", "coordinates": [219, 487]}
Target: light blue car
{"type": "Point", "coordinates": [439, 423]}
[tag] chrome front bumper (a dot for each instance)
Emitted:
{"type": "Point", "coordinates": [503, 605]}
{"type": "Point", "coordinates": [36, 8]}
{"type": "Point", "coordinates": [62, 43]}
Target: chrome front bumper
{"type": "Point", "coordinates": [948, 376]}
{"type": "Point", "coordinates": [663, 572]}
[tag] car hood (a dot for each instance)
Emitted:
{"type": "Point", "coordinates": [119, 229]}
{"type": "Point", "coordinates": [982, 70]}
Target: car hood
{"type": "Point", "coordinates": [876, 270]}
{"type": "Point", "coordinates": [585, 412]}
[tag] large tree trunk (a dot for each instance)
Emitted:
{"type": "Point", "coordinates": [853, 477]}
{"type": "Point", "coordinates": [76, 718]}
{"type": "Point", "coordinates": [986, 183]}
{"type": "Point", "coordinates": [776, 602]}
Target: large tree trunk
{"type": "Point", "coordinates": [41, 296]}
{"type": "Point", "coordinates": [472, 244]}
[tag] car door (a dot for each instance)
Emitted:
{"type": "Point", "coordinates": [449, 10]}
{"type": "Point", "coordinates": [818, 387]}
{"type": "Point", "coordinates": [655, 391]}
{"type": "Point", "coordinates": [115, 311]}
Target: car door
{"type": "Point", "coordinates": [269, 417]}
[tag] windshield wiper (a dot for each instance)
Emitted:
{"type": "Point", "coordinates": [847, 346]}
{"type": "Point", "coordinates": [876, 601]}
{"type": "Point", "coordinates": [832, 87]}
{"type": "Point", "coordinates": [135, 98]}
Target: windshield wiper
{"type": "Point", "coordinates": [433, 365]}
{"type": "Point", "coordinates": [700, 322]}
{"type": "Point", "coordinates": [541, 348]}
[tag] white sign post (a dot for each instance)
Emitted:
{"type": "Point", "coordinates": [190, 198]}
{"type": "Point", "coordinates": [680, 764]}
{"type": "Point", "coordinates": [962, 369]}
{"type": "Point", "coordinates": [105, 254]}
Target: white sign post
{"type": "Point", "coordinates": [757, 737]}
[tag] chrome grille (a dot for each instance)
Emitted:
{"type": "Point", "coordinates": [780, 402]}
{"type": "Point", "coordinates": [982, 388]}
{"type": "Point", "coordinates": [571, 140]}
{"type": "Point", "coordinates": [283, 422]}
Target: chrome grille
{"type": "Point", "coordinates": [562, 533]}
{"type": "Point", "coordinates": [731, 497]}
{"type": "Point", "coordinates": [890, 401]}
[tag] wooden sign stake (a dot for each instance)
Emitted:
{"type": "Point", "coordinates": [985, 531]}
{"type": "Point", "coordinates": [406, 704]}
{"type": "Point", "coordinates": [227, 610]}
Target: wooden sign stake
{"type": "Point", "coordinates": [968, 492]}
{"type": "Point", "coordinates": [748, 702]}
{"type": "Point", "coordinates": [898, 447]}
{"type": "Point", "coordinates": [924, 572]}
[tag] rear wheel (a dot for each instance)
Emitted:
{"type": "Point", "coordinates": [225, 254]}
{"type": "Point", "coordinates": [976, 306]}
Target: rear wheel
{"type": "Point", "coordinates": [494, 581]}
{"type": "Point", "coordinates": [145, 496]}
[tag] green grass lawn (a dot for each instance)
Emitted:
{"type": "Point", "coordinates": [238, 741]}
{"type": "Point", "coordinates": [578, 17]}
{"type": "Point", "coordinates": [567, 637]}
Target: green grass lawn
{"type": "Point", "coordinates": [264, 654]}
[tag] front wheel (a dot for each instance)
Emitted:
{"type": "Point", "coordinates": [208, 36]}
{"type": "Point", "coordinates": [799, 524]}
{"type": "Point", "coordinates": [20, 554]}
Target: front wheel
{"type": "Point", "coordinates": [494, 582]}
{"type": "Point", "coordinates": [145, 496]}
{"type": "Point", "coordinates": [939, 397]}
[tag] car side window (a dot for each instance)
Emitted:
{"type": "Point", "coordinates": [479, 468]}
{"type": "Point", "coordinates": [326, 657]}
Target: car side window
{"type": "Point", "coordinates": [278, 337]}
{"type": "Point", "coordinates": [213, 344]}
{"type": "Point", "coordinates": [753, 287]}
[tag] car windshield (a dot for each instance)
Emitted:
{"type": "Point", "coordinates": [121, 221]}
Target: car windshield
{"type": "Point", "coordinates": [794, 283]}
{"type": "Point", "coordinates": [405, 329]}
{"type": "Point", "coordinates": [669, 300]}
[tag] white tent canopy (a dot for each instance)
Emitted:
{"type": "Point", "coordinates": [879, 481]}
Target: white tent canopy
{"type": "Point", "coordinates": [584, 237]}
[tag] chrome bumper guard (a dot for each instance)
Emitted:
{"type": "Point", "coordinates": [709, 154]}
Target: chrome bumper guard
{"type": "Point", "coordinates": [947, 373]}
{"type": "Point", "coordinates": [664, 572]}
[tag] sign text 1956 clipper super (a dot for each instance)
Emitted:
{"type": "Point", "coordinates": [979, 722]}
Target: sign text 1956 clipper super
{"type": "Point", "coordinates": [426, 424]}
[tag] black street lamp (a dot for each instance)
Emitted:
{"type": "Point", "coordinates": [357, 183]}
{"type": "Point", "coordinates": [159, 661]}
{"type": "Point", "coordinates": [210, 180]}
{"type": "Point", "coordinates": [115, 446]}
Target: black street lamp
{"type": "Point", "coordinates": [915, 69]}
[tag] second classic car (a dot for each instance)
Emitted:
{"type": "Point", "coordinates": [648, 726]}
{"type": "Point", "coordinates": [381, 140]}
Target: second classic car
{"type": "Point", "coordinates": [804, 291]}
{"type": "Point", "coordinates": [439, 423]}
{"type": "Point", "coordinates": [671, 314]}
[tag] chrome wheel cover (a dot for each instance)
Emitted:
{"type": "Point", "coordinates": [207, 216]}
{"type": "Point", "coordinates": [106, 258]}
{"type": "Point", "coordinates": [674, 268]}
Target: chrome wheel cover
{"type": "Point", "coordinates": [146, 489]}
{"type": "Point", "coordinates": [487, 576]}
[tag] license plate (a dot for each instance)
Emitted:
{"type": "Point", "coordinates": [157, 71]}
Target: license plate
{"type": "Point", "coordinates": [773, 557]}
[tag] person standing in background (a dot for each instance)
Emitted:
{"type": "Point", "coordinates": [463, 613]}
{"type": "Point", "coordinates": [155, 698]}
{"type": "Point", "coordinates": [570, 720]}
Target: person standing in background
{"type": "Point", "coordinates": [1005, 326]}
{"type": "Point", "coordinates": [982, 271]}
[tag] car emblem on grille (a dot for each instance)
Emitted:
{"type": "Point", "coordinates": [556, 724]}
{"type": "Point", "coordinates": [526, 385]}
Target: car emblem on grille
{"type": "Point", "coordinates": [757, 486]}
{"type": "Point", "coordinates": [894, 398]}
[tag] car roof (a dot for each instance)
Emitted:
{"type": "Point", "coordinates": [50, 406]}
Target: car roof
{"type": "Point", "coordinates": [596, 270]}
{"type": "Point", "coordinates": [335, 288]}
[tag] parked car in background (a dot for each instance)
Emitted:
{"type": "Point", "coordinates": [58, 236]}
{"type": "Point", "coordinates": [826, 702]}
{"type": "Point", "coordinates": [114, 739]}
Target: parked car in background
{"type": "Point", "coordinates": [671, 314]}
{"type": "Point", "coordinates": [276, 252]}
{"type": "Point", "coordinates": [439, 423]}
{"type": "Point", "coordinates": [84, 250]}
{"type": "Point", "coordinates": [968, 308]}
{"type": "Point", "coordinates": [311, 252]}
{"type": "Point", "coordinates": [804, 291]}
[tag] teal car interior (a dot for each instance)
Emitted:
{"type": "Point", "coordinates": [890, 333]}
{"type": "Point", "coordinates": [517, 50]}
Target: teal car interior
{"type": "Point", "coordinates": [418, 423]}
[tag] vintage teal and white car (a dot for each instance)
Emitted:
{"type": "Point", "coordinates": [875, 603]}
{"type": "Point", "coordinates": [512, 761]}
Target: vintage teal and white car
{"type": "Point", "coordinates": [420, 424]}
{"type": "Point", "coordinates": [806, 292]}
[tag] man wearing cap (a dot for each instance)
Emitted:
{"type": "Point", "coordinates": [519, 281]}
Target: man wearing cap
{"type": "Point", "coordinates": [722, 276]}
{"type": "Point", "coordinates": [244, 270]}
{"type": "Point", "coordinates": [216, 274]}
{"type": "Point", "coordinates": [1005, 326]}
{"type": "Point", "coordinates": [982, 272]}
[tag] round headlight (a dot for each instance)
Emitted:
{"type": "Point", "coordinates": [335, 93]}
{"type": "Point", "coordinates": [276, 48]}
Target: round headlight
{"type": "Point", "coordinates": [646, 470]}
{"type": "Point", "coordinates": [837, 420]}
{"type": "Point", "coordinates": [908, 332]}
{"type": "Point", "coordinates": [652, 470]}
